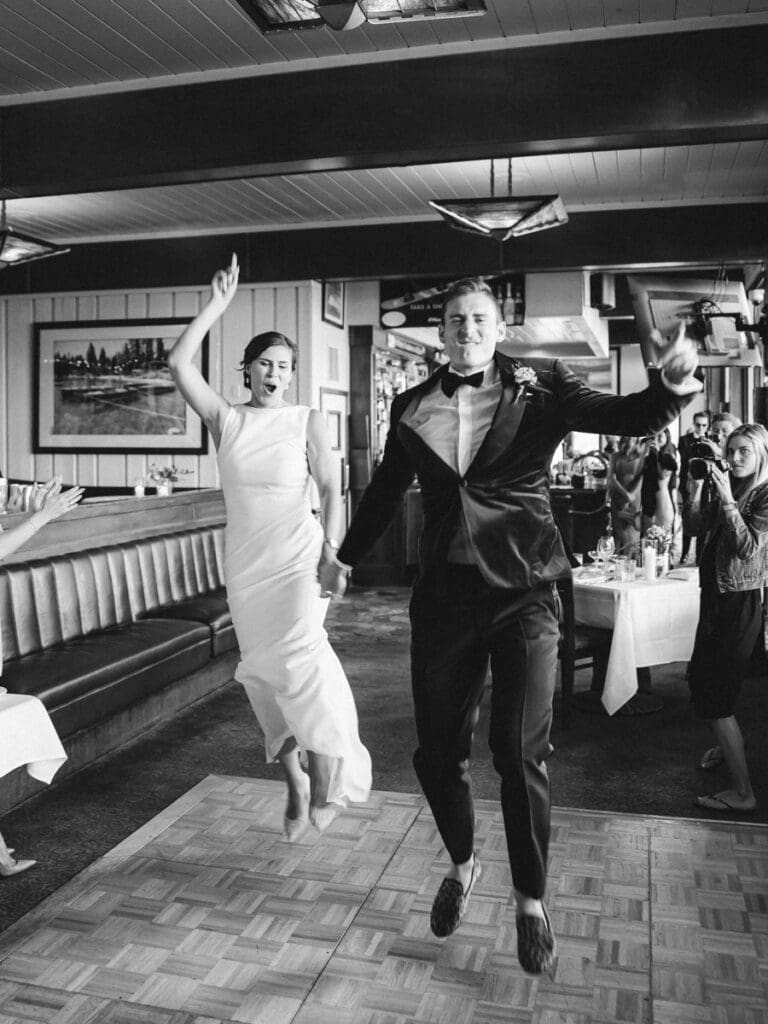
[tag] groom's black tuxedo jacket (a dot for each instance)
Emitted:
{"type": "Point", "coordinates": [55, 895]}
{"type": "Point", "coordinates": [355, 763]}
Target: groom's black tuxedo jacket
{"type": "Point", "coordinates": [504, 494]}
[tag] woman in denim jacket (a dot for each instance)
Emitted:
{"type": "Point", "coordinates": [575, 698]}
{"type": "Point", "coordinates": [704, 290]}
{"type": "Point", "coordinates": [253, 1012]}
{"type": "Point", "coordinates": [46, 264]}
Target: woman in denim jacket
{"type": "Point", "coordinates": [732, 573]}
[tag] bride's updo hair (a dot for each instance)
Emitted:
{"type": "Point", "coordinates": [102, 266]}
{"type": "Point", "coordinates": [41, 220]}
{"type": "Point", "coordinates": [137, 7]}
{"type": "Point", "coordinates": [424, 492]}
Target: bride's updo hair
{"type": "Point", "coordinates": [260, 344]}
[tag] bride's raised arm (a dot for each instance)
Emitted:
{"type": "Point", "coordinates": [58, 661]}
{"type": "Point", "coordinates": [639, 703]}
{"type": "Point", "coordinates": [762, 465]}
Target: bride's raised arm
{"type": "Point", "coordinates": [210, 406]}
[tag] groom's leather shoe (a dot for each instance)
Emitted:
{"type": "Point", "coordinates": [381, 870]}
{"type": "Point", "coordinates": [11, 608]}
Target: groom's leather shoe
{"type": "Point", "coordinates": [451, 903]}
{"type": "Point", "coordinates": [536, 946]}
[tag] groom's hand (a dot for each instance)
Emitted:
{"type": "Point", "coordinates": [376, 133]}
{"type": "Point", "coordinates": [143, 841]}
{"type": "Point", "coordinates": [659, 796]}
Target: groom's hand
{"type": "Point", "coordinates": [677, 356]}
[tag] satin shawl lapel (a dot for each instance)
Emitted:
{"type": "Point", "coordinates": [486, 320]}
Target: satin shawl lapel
{"type": "Point", "coordinates": [506, 420]}
{"type": "Point", "coordinates": [408, 428]}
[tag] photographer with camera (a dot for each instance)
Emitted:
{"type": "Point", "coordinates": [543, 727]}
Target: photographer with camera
{"type": "Point", "coordinates": [732, 573]}
{"type": "Point", "coordinates": [697, 487]}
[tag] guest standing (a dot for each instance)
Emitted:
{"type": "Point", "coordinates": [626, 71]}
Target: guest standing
{"type": "Point", "coordinates": [625, 478]}
{"type": "Point", "coordinates": [658, 492]}
{"type": "Point", "coordinates": [696, 434]}
{"type": "Point", "coordinates": [699, 491]}
{"type": "Point", "coordinates": [733, 572]}
{"type": "Point", "coordinates": [47, 502]}
{"type": "Point", "coordinates": [481, 434]}
{"type": "Point", "coordinates": [268, 453]}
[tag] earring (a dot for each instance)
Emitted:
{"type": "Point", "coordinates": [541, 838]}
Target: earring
{"type": "Point", "coordinates": [246, 380]}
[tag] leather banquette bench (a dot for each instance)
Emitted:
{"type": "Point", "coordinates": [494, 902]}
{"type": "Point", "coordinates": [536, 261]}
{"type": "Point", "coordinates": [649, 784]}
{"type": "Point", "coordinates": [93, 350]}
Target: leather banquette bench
{"type": "Point", "coordinates": [114, 639]}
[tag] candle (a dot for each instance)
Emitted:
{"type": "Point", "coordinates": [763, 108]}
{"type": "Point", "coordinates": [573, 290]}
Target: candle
{"type": "Point", "coordinates": [138, 490]}
{"type": "Point", "coordinates": [649, 563]}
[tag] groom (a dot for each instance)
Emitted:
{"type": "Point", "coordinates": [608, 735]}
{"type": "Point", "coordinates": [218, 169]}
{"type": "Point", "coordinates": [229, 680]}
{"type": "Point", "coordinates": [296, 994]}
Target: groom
{"type": "Point", "coordinates": [480, 435]}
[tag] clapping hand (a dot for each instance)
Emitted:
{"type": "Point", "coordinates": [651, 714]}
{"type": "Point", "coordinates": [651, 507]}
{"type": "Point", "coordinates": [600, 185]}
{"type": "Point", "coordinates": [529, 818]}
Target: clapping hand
{"type": "Point", "coordinates": [224, 283]}
{"type": "Point", "coordinates": [52, 501]}
{"type": "Point", "coordinates": [677, 356]}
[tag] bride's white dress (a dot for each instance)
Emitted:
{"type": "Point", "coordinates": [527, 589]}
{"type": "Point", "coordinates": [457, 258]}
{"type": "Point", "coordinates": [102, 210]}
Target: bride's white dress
{"type": "Point", "coordinates": [293, 679]}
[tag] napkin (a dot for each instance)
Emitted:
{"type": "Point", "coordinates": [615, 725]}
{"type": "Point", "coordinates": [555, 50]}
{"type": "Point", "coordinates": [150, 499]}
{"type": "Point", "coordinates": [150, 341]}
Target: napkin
{"type": "Point", "coordinates": [683, 573]}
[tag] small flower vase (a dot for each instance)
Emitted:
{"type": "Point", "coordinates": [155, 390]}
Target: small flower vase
{"type": "Point", "coordinates": [662, 563]}
{"type": "Point", "coordinates": [164, 488]}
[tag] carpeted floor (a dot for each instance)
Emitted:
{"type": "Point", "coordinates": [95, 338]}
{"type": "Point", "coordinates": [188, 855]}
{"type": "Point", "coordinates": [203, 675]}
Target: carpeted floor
{"type": "Point", "coordinates": [644, 764]}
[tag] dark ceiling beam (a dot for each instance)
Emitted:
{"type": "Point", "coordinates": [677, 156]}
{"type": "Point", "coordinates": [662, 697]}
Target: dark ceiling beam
{"type": "Point", "coordinates": [646, 91]}
{"type": "Point", "coordinates": [691, 236]}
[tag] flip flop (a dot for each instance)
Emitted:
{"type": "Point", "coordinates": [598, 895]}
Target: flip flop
{"type": "Point", "coordinates": [711, 758]}
{"type": "Point", "coordinates": [716, 803]}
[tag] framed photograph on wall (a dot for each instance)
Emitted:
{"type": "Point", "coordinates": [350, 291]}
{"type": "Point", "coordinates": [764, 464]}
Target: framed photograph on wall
{"type": "Point", "coordinates": [333, 302]}
{"type": "Point", "coordinates": [334, 406]}
{"type": "Point", "coordinates": [104, 386]}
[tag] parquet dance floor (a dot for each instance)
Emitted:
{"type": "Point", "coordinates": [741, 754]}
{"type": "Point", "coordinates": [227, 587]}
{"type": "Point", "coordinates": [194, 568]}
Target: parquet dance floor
{"type": "Point", "coordinates": [205, 915]}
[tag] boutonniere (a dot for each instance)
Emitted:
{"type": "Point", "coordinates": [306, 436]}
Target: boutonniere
{"type": "Point", "coordinates": [525, 382]}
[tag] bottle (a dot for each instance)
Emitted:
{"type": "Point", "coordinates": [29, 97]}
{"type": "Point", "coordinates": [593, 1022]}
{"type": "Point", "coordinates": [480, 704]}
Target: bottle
{"type": "Point", "coordinates": [519, 300]}
{"type": "Point", "coordinates": [508, 306]}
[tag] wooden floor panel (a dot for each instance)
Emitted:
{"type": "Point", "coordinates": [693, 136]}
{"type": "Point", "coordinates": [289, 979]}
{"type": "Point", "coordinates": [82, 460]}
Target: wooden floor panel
{"type": "Point", "coordinates": [205, 915]}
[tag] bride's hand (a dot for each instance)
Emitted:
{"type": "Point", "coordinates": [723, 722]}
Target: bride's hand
{"type": "Point", "coordinates": [332, 578]}
{"type": "Point", "coordinates": [224, 284]}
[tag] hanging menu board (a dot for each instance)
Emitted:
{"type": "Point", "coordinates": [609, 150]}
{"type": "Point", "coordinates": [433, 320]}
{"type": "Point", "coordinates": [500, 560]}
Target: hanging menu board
{"type": "Point", "coordinates": [418, 302]}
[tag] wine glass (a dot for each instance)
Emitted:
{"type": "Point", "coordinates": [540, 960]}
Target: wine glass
{"type": "Point", "coordinates": [606, 547]}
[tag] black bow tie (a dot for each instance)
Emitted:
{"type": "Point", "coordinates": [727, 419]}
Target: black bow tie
{"type": "Point", "coordinates": [452, 380]}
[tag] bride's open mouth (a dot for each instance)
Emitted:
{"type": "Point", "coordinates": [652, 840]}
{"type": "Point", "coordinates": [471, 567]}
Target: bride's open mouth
{"type": "Point", "coordinates": [270, 388]}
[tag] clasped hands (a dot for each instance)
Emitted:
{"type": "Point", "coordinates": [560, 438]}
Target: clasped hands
{"type": "Point", "coordinates": [332, 576]}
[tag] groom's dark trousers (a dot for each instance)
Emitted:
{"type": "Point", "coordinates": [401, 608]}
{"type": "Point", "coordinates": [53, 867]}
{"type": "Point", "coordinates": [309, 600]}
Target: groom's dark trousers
{"type": "Point", "coordinates": [457, 622]}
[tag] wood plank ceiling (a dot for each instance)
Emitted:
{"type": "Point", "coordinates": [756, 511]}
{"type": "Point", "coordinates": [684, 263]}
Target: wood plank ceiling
{"type": "Point", "coordinates": [58, 53]}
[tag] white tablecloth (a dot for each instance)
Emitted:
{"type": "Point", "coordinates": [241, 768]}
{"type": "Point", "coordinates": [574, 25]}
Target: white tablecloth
{"type": "Point", "coordinates": [27, 737]}
{"type": "Point", "coordinates": [653, 623]}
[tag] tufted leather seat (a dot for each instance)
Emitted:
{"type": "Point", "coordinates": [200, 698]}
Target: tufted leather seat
{"type": "Point", "coordinates": [179, 577]}
{"type": "Point", "coordinates": [92, 632]}
{"type": "Point", "coordinates": [90, 677]}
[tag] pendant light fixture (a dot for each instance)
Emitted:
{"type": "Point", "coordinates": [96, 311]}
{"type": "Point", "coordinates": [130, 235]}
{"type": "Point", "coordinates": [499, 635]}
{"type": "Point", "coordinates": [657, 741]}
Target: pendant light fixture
{"type": "Point", "coordinates": [16, 247]}
{"type": "Point", "coordinates": [503, 217]}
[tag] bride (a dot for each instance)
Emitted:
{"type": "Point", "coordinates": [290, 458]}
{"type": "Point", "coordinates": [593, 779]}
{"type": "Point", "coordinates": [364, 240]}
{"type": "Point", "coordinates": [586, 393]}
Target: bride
{"type": "Point", "coordinates": [268, 453]}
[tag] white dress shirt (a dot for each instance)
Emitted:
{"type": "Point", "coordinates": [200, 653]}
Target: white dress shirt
{"type": "Point", "coordinates": [454, 428]}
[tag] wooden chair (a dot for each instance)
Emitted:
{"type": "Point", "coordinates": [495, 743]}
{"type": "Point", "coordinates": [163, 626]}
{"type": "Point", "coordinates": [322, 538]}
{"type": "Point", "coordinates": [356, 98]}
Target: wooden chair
{"type": "Point", "coordinates": [579, 647]}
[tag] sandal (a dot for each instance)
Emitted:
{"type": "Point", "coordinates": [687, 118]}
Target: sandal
{"type": "Point", "coordinates": [711, 758]}
{"type": "Point", "coordinates": [720, 805]}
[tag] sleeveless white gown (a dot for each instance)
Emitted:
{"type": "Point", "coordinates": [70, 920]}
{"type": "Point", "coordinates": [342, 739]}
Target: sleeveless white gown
{"type": "Point", "coordinates": [293, 679]}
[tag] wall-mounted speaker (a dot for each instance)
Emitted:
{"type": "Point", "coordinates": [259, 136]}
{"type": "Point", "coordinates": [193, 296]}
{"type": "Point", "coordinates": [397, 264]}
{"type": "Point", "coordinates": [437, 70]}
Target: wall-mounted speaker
{"type": "Point", "coordinates": [761, 406]}
{"type": "Point", "coordinates": [602, 292]}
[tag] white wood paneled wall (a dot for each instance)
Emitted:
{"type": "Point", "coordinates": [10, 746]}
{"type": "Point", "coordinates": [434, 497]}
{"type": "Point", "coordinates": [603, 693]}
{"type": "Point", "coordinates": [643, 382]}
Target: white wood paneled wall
{"type": "Point", "coordinates": [286, 307]}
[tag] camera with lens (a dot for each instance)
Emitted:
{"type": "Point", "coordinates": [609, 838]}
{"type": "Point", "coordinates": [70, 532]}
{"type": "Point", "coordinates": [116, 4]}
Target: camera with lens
{"type": "Point", "coordinates": [667, 461]}
{"type": "Point", "coordinates": [702, 459]}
